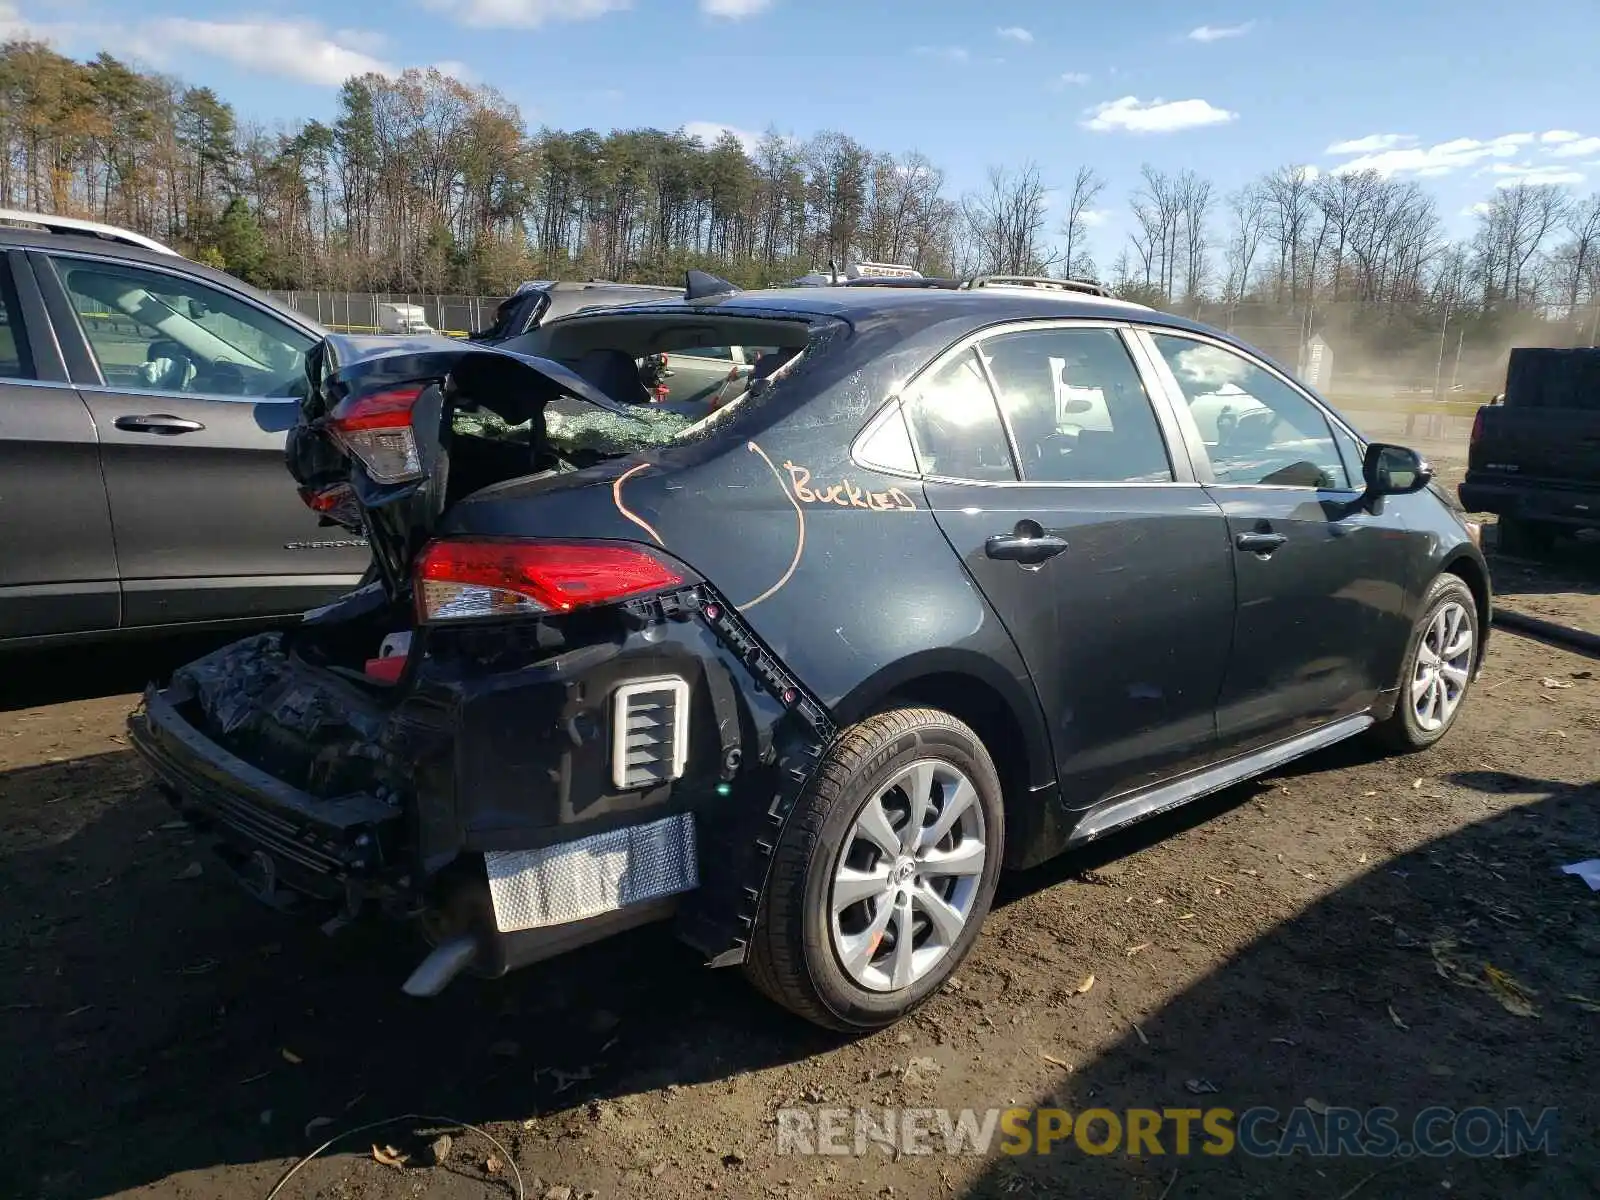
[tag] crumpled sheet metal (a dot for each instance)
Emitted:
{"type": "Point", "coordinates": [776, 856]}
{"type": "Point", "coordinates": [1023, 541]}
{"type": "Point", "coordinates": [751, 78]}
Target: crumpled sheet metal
{"type": "Point", "coordinates": [249, 682]}
{"type": "Point", "coordinates": [231, 681]}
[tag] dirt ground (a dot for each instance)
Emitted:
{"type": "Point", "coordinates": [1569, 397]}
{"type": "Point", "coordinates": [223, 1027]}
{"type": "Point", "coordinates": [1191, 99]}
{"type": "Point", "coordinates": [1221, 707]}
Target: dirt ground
{"type": "Point", "coordinates": [1318, 936]}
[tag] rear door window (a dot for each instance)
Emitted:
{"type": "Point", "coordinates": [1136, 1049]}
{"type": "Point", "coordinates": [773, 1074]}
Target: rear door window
{"type": "Point", "coordinates": [957, 424]}
{"type": "Point", "coordinates": [1077, 408]}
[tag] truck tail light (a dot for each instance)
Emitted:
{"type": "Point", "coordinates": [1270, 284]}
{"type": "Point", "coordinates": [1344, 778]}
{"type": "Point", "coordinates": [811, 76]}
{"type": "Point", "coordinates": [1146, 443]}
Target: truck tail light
{"type": "Point", "coordinates": [1477, 428]}
{"type": "Point", "coordinates": [460, 579]}
{"type": "Point", "coordinates": [375, 429]}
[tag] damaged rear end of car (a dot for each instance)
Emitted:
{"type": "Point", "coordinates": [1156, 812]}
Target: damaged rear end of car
{"type": "Point", "coordinates": [534, 726]}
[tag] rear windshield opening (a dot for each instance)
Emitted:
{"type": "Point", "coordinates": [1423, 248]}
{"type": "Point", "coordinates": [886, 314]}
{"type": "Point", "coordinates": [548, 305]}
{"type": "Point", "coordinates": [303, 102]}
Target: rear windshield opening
{"type": "Point", "coordinates": [677, 374]}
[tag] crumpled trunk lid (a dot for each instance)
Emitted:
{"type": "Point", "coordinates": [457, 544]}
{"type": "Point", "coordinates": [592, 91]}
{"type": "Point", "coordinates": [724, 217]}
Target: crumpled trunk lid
{"type": "Point", "coordinates": [479, 418]}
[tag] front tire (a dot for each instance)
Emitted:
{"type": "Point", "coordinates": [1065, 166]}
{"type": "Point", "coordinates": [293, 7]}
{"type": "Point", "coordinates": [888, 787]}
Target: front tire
{"type": "Point", "coordinates": [1440, 661]}
{"type": "Point", "coordinates": [884, 873]}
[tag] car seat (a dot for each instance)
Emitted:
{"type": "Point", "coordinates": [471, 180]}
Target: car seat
{"type": "Point", "coordinates": [614, 373]}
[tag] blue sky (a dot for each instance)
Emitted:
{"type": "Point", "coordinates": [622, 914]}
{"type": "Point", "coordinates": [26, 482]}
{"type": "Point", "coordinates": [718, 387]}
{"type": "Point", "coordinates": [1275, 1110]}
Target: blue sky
{"type": "Point", "coordinates": [1463, 95]}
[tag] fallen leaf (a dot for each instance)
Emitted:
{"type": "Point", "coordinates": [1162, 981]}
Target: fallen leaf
{"type": "Point", "coordinates": [193, 871]}
{"type": "Point", "coordinates": [1555, 684]}
{"type": "Point", "coordinates": [172, 826]}
{"type": "Point", "coordinates": [1584, 1002]}
{"type": "Point", "coordinates": [1142, 1037]}
{"type": "Point", "coordinates": [290, 1057]}
{"type": "Point", "coordinates": [1084, 986]}
{"type": "Point", "coordinates": [1362, 859]}
{"type": "Point", "coordinates": [492, 1165]}
{"type": "Point", "coordinates": [1056, 1062]}
{"type": "Point", "coordinates": [1515, 998]}
{"type": "Point", "coordinates": [439, 1149]}
{"type": "Point", "coordinates": [1286, 1041]}
{"type": "Point", "coordinates": [1316, 1106]}
{"type": "Point", "coordinates": [1416, 783]}
{"type": "Point", "coordinates": [1132, 950]}
{"type": "Point", "coordinates": [317, 1123]}
{"type": "Point", "coordinates": [1200, 1087]}
{"type": "Point", "coordinates": [1395, 1017]}
{"type": "Point", "coordinates": [388, 1156]}
{"type": "Point", "coordinates": [1444, 962]}
{"type": "Point", "coordinates": [1187, 917]}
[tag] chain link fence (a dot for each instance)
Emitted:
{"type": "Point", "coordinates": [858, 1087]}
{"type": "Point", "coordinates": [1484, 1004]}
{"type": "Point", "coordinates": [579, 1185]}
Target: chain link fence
{"type": "Point", "coordinates": [362, 312]}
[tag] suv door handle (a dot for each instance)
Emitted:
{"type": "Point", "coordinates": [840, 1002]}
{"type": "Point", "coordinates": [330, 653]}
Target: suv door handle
{"type": "Point", "coordinates": [1030, 551]}
{"type": "Point", "coordinates": [162, 423]}
{"type": "Point", "coordinates": [1259, 543]}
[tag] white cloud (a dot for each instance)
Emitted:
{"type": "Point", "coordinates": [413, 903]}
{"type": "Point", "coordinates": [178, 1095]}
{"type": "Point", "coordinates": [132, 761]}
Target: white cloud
{"type": "Point", "coordinates": [1371, 143]}
{"type": "Point", "coordinates": [1216, 33]}
{"type": "Point", "coordinates": [709, 131]}
{"type": "Point", "coordinates": [734, 10]}
{"type": "Point", "coordinates": [456, 69]}
{"type": "Point", "coordinates": [1014, 33]}
{"type": "Point", "coordinates": [522, 14]}
{"type": "Point", "coordinates": [955, 54]}
{"type": "Point", "coordinates": [1511, 174]}
{"type": "Point", "coordinates": [1481, 209]}
{"type": "Point", "coordinates": [1580, 148]}
{"type": "Point", "coordinates": [1132, 115]}
{"type": "Point", "coordinates": [1094, 216]}
{"type": "Point", "coordinates": [1072, 79]}
{"type": "Point", "coordinates": [295, 49]}
{"type": "Point", "coordinates": [1439, 159]}
{"type": "Point", "coordinates": [1559, 135]}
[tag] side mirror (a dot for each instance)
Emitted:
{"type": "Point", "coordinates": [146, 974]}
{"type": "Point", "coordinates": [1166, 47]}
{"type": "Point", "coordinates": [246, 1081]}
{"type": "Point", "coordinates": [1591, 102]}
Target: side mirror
{"type": "Point", "coordinates": [1394, 471]}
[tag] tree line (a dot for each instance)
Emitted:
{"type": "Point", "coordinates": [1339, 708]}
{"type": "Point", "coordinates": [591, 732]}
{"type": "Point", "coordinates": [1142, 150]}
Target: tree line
{"type": "Point", "coordinates": [423, 183]}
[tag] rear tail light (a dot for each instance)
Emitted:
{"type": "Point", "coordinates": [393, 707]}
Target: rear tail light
{"type": "Point", "coordinates": [467, 578]}
{"type": "Point", "coordinates": [375, 429]}
{"type": "Point", "coordinates": [337, 503]}
{"type": "Point", "coordinates": [1477, 428]}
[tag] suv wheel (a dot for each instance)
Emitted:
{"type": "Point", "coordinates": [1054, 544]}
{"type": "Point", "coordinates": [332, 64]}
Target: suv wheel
{"type": "Point", "coordinates": [884, 872]}
{"type": "Point", "coordinates": [1438, 667]}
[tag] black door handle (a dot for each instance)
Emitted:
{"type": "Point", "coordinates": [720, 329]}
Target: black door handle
{"type": "Point", "coordinates": [1259, 543]}
{"type": "Point", "coordinates": [1030, 551]}
{"type": "Point", "coordinates": [162, 423]}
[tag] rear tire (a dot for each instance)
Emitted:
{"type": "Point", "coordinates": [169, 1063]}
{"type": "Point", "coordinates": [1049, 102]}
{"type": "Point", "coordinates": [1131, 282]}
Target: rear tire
{"type": "Point", "coordinates": [1518, 535]}
{"type": "Point", "coordinates": [863, 919]}
{"type": "Point", "coordinates": [1436, 674]}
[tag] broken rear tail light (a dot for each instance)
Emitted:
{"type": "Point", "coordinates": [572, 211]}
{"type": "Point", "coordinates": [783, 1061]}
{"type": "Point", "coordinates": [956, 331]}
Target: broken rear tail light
{"type": "Point", "coordinates": [459, 579]}
{"type": "Point", "coordinates": [375, 429]}
{"type": "Point", "coordinates": [337, 503]}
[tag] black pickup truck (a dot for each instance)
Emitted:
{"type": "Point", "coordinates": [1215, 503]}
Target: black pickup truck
{"type": "Point", "coordinates": [1535, 452]}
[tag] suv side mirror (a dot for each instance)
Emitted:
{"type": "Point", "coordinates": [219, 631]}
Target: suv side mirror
{"type": "Point", "coordinates": [1394, 471]}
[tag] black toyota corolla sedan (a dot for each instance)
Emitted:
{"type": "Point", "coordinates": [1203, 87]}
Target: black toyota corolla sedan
{"type": "Point", "coordinates": [967, 576]}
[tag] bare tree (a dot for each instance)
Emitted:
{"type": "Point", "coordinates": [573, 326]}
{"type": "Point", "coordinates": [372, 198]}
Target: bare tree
{"type": "Point", "coordinates": [1578, 258]}
{"type": "Point", "coordinates": [1006, 223]}
{"type": "Point", "coordinates": [1511, 229]}
{"type": "Point", "coordinates": [1086, 188]}
{"type": "Point", "coordinates": [1158, 210]}
{"type": "Point", "coordinates": [1194, 207]}
{"type": "Point", "coordinates": [1289, 210]}
{"type": "Point", "coordinates": [1247, 211]}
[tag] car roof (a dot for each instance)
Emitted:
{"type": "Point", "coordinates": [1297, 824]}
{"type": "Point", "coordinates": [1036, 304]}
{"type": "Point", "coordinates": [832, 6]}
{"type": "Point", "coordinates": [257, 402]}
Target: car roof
{"type": "Point", "coordinates": [919, 307]}
{"type": "Point", "coordinates": [18, 237]}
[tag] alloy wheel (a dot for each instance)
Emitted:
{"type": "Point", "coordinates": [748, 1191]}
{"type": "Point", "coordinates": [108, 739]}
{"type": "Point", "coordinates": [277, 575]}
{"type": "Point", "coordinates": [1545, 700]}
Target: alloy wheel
{"type": "Point", "coordinates": [907, 876]}
{"type": "Point", "coordinates": [1442, 668]}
